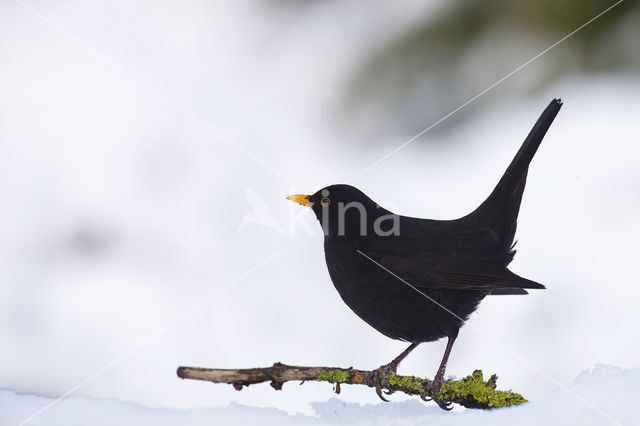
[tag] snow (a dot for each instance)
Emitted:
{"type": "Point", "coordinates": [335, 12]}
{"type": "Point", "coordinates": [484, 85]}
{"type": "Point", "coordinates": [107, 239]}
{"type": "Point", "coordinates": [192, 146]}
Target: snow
{"type": "Point", "coordinates": [614, 393]}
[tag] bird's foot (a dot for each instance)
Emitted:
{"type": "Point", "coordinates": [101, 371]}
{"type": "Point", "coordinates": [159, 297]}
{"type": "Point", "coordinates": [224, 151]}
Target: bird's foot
{"type": "Point", "coordinates": [431, 393]}
{"type": "Point", "coordinates": [381, 374]}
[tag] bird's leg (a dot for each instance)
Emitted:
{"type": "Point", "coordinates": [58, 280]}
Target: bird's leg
{"type": "Point", "coordinates": [385, 370]}
{"type": "Point", "coordinates": [434, 386]}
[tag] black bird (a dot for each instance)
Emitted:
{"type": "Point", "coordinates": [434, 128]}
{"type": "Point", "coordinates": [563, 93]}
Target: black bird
{"type": "Point", "coordinates": [418, 280]}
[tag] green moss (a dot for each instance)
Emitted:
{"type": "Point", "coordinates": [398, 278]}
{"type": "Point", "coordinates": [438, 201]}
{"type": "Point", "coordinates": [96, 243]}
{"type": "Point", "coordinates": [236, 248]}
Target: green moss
{"type": "Point", "coordinates": [412, 383]}
{"type": "Point", "coordinates": [333, 376]}
{"type": "Point", "coordinates": [471, 391]}
{"type": "Point", "coordinates": [474, 388]}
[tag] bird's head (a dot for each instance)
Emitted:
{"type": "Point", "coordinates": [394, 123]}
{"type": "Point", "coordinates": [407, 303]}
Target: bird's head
{"type": "Point", "coordinates": [344, 210]}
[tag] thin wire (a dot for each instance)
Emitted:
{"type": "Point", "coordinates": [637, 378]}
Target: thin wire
{"type": "Point", "coordinates": [398, 148]}
{"type": "Point", "coordinates": [150, 88]}
{"type": "Point", "coordinates": [151, 337]}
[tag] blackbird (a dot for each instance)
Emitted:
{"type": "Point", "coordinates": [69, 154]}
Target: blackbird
{"type": "Point", "coordinates": [418, 280]}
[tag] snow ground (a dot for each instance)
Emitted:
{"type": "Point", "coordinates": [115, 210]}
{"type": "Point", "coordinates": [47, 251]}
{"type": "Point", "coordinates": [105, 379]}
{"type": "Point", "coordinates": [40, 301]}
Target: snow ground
{"type": "Point", "coordinates": [615, 392]}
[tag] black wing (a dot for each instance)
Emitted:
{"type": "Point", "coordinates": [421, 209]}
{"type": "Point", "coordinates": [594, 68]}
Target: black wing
{"type": "Point", "coordinates": [469, 265]}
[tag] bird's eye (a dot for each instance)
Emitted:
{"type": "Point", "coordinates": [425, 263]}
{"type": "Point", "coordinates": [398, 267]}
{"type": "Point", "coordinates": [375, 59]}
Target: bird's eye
{"type": "Point", "coordinates": [325, 201]}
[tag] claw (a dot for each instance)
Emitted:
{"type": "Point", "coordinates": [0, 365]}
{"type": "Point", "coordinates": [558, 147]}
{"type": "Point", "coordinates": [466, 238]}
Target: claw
{"type": "Point", "coordinates": [379, 393]}
{"type": "Point", "coordinates": [432, 390]}
{"type": "Point", "coordinates": [445, 405]}
{"type": "Point", "coordinates": [376, 375]}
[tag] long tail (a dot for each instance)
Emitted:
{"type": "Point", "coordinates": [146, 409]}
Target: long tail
{"type": "Point", "coordinates": [517, 170]}
{"type": "Point", "coordinates": [503, 205]}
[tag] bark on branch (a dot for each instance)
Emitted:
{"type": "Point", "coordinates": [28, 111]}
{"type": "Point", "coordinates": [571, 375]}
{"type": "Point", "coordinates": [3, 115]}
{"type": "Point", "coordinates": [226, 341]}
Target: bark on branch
{"type": "Point", "coordinates": [471, 391]}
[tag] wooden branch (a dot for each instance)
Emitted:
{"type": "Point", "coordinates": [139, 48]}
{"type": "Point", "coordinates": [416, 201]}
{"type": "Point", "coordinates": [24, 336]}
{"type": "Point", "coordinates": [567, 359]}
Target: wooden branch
{"type": "Point", "coordinates": [471, 391]}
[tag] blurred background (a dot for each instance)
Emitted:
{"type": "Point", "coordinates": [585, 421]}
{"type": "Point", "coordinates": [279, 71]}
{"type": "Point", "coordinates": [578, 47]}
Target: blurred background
{"type": "Point", "coordinates": [146, 150]}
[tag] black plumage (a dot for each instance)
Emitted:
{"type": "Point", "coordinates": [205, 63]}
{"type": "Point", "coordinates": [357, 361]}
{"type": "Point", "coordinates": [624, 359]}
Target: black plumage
{"type": "Point", "coordinates": [415, 279]}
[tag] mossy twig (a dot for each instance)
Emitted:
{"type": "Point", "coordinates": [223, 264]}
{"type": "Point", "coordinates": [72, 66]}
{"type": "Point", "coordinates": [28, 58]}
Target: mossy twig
{"type": "Point", "coordinates": [471, 391]}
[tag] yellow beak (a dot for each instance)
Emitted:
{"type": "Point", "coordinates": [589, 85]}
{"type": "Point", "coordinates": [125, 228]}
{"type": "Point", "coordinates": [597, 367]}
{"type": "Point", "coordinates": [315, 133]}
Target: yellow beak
{"type": "Point", "coordinates": [301, 199]}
